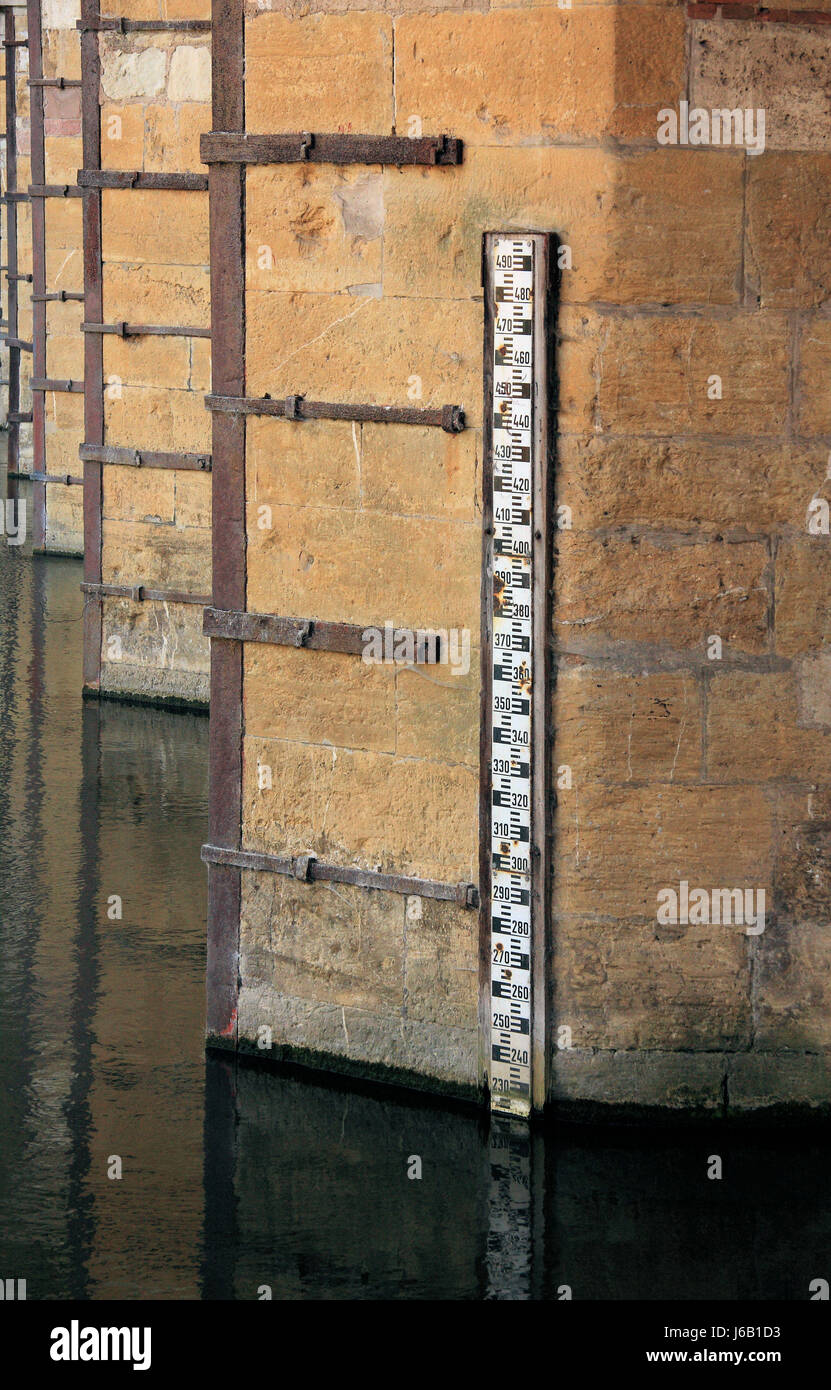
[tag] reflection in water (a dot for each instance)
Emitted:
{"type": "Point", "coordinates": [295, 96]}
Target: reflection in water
{"type": "Point", "coordinates": [237, 1181]}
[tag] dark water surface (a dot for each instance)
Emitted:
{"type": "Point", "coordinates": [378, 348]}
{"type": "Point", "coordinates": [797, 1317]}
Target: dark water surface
{"type": "Point", "coordinates": [234, 1178]}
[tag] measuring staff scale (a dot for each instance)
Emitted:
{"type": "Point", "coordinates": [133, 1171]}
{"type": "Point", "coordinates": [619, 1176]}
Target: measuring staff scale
{"type": "Point", "coordinates": [516, 278]}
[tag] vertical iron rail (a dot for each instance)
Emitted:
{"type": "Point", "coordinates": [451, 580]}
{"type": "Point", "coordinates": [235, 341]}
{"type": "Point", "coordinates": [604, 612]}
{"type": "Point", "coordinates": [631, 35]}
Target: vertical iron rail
{"type": "Point", "coordinates": [11, 224]}
{"type": "Point", "coordinates": [227, 246]}
{"type": "Point", "coordinates": [93, 342]}
{"type": "Point", "coordinates": [38, 206]}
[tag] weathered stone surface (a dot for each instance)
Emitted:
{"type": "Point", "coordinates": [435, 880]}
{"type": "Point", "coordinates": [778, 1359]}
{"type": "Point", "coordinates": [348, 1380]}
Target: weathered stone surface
{"type": "Point", "coordinates": [62, 52]}
{"type": "Point", "coordinates": [647, 591]}
{"type": "Point", "coordinates": [420, 471]}
{"type": "Point", "coordinates": [313, 227]}
{"type": "Point", "coordinates": [325, 800]}
{"type": "Point", "coordinates": [616, 847]}
{"type": "Point", "coordinates": [788, 261]}
{"type": "Point", "coordinates": [64, 226]}
{"type": "Point", "coordinates": [65, 521]}
{"type": "Point", "coordinates": [125, 76]}
{"type": "Point", "coordinates": [193, 498]}
{"type": "Point", "coordinates": [147, 361]}
{"type": "Point", "coordinates": [65, 347]}
{"type": "Point", "coordinates": [171, 137]}
{"type": "Point", "coordinates": [645, 987]}
{"type": "Point", "coordinates": [691, 485]}
{"type": "Point", "coordinates": [515, 77]}
{"type": "Point", "coordinates": [64, 156]}
{"type": "Point", "coordinates": [328, 943]}
{"type": "Point", "coordinates": [793, 994]}
{"type": "Point", "coordinates": [64, 431]}
{"type": "Point", "coordinates": [441, 964]}
{"type": "Point", "coordinates": [655, 375]}
{"type": "Point", "coordinates": [163, 651]}
{"type": "Point", "coordinates": [324, 563]}
{"type": "Point", "coordinates": [189, 77]}
{"type": "Point", "coordinates": [345, 703]}
{"type": "Point", "coordinates": [753, 732]}
{"type": "Point", "coordinates": [159, 228]}
{"type": "Point", "coordinates": [159, 556]}
{"type": "Point", "coordinates": [813, 674]}
{"type": "Point", "coordinates": [317, 464]}
{"type": "Point", "coordinates": [178, 295]}
{"type": "Point", "coordinates": [147, 418]}
{"type": "Point", "coordinates": [761, 1081]}
{"type": "Point", "coordinates": [782, 68]}
{"type": "Point", "coordinates": [447, 1058]}
{"type": "Point", "coordinates": [319, 73]}
{"type": "Point", "coordinates": [803, 595]}
{"type": "Point", "coordinates": [306, 343]}
{"type": "Point", "coordinates": [438, 708]}
{"type": "Point", "coordinates": [617, 728]}
{"type": "Point", "coordinates": [129, 494]}
{"type": "Point", "coordinates": [122, 135]}
{"type": "Point", "coordinates": [671, 1081]}
{"type": "Point", "coordinates": [60, 14]}
{"type": "Point", "coordinates": [656, 226]}
{"type": "Point", "coordinates": [814, 408]}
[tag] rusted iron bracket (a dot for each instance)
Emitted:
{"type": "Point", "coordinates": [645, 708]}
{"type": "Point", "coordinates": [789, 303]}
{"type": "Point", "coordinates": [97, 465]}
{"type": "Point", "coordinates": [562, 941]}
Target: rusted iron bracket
{"type": "Point", "coordinates": [135, 178]}
{"type": "Point", "coordinates": [307, 868]}
{"type": "Point", "coordinates": [58, 296]}
{"type": "Point", "coordinates": [149, 330]}
{"type": "Point", "coordinates": [55, 190]}
{"type": "Point", "coordinates": [450, 418]}
{"type": "Point", "coordinates": [46, 383]}
{"type": "Point", "coordinates": [67, 480]}
{"type": "Point", "coordinates": [311, 633]}
{"type": "Point", "coordinates": [240, 147]}
{"type": "Point", "coordinates": [143, 26]}
{"type": "Point", "coordinates": [60, 82]}
{"type": "Point", "coordinates": [140, 593]}
{"type": "Point", "coordinates": [143, 458]}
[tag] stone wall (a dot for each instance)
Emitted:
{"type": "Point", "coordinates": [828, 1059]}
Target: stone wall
{"type": "Point", "coordinates": [17, 362]}
{"type": "Point", "coordinates": [690, 616]}
{"type": "Point", "coordinates": [155, 101]}
{"type": "Point", "coordinates": [691, 716]}
{"type": "Point", "coordinates": [63, 425]}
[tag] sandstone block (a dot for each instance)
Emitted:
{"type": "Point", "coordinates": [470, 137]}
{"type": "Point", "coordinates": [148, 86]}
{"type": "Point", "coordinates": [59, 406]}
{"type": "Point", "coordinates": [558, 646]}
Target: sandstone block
{"type": "Point", "coordinates": [356, 348]}
{"type": "Point", "coordinates": [618, 728]}
{"type": "Point", "coordinates": [616, 847]}
{"type": "Point", "coordinates": [325, 562]}
{"type": "Point", "coordinates": [769, 66]}
{"type": "Point", "coordinates": [513, 77]}
{"type": "Point", "coordinates": [326, 800]}
{"type": "Point", "coordinates": [346, 703]}
{"type": "Point", "coordinates": [315, 464]}
{"type": "Point", "coordinates": [788, 262]}
{"type": "Point", "coordinates": [320, 72]}
{"type": "Point", "coordinates": [157, 227]}
{"type": "Point", "coordinates": [148, 418]}
{"type": "Point", "coordinates": [189, 78]}
{"type": "Point", "coordinates": [637, 590]}
{"type": "Point", "coordinates": [178, 295]}
{"type": "Point", "coordinates": [313, 227]}
{"type": "Point", "coordinates": [162, 557]}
